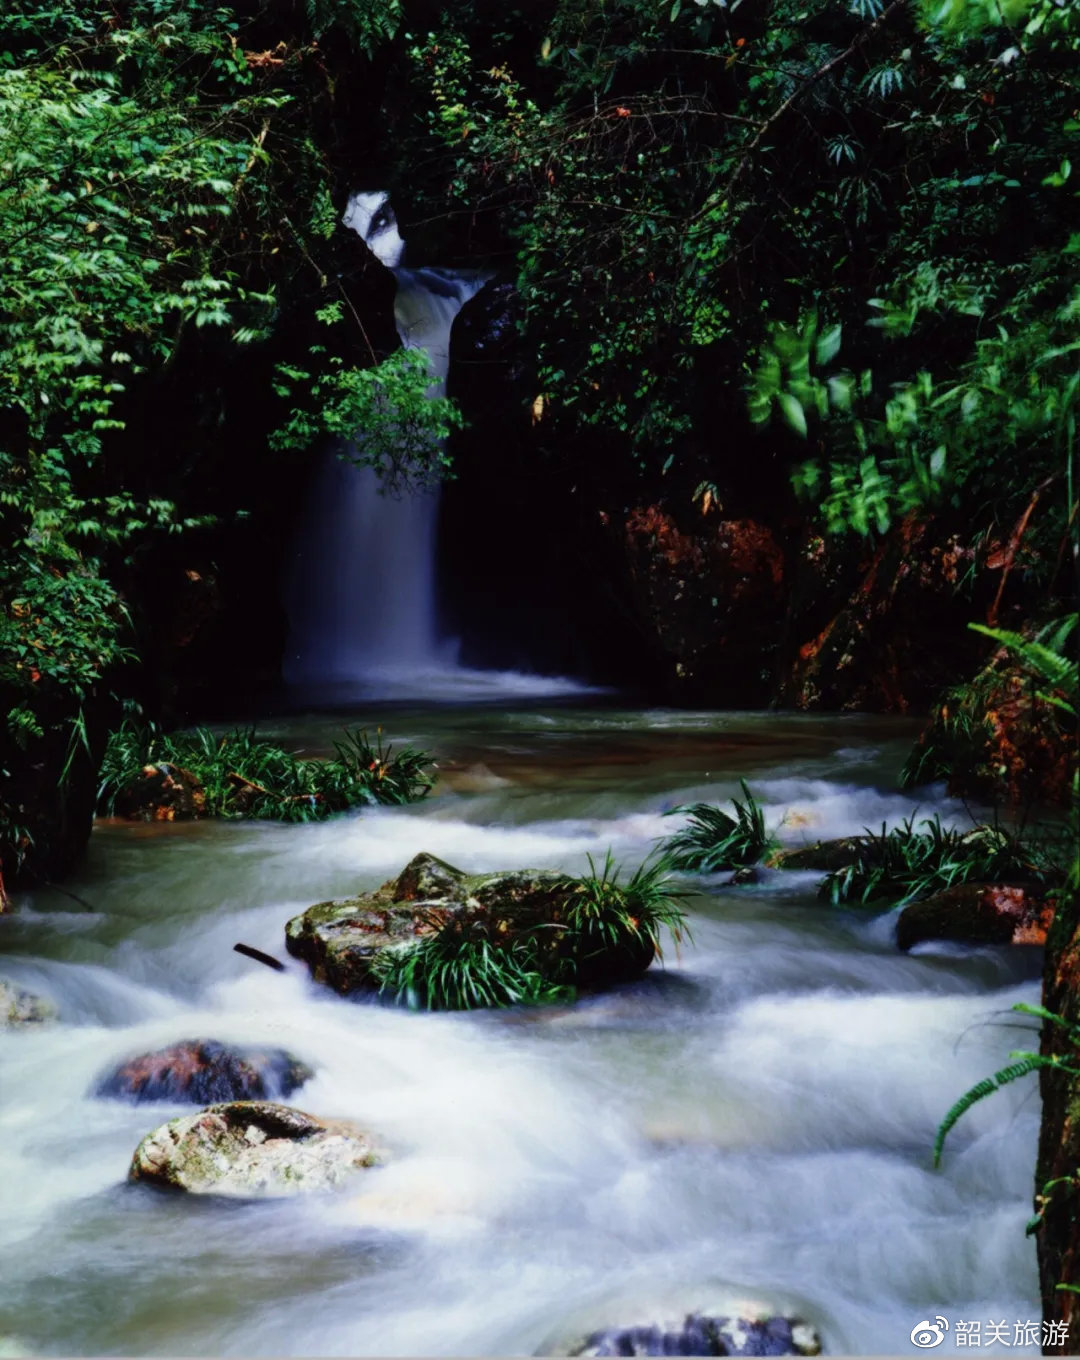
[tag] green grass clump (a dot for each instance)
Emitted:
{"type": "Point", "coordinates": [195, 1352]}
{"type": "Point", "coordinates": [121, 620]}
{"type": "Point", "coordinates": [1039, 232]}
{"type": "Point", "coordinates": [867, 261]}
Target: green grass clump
{"type": "Point", "coordinates": [471, 960]}
{"type": "Point", "coordinates": [244, 776]}
{"type": "Point", "coordinates": [603, 912]}
{"type": "Point", "coordinates": [714, 840]}
{"type": "Point", "coordinates": [906, 863]}
{"type": "Point", "coordinates": [462, 966]}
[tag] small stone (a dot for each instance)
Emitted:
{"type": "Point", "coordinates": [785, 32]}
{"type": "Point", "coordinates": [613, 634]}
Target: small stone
{"type": "Point", "coordinates": [23, 1008]}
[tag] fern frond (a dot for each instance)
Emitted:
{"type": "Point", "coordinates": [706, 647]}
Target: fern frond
{"type": "Point", "coordinates": [1029, 1062]}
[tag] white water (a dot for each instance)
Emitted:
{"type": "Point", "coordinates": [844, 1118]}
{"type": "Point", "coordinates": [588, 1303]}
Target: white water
{"type": "Point", "coordinates": [754, 1121]}
{"type": "Point", "coordinates": [362, 593]}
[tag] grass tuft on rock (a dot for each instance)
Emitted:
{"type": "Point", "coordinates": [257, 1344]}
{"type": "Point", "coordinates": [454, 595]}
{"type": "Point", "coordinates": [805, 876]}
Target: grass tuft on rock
{"type": "Point", "coordinates": [908, 863]}
{"type": "Point", "coordinates": [240, 775]}
{"type": "Point", "coordinates": [472, 961]}
{"type": "Point", "coordinates": [714, 840]}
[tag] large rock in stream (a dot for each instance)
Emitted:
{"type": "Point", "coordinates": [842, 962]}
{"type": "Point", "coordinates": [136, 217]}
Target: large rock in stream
{"type": "Point", "coordinates": [252, 1149]}
{"type": "Point", "coordinates": [202, 1071]}
{"type": "Point", "coordinates": [340, 940]}
{"type": "Point", "coordinates": [977, 913]}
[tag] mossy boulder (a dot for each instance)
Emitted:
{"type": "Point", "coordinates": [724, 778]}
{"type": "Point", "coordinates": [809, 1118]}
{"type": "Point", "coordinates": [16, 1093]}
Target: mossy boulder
{"type": "Point", "coordinates": [340, 940]}
{"type": "Point", "coordinates": [828, 856]}
{"type": "Point", "coordinates": [23, 1008]}
{"type": "Point", "coordinates": [201, 1071]}
{"type": "Point", "coordinates": [252, 1149]}
{"type": "Point", "coordinates": [977, 913]}
{"type": "Point", "coordinates": [699, 1334]}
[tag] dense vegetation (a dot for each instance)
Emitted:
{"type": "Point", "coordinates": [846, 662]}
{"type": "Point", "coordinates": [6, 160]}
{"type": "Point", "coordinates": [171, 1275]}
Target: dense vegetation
{"type": "Point", "coordinates": [841, 237]}
{"type": "Point", "coordinates": [239, 774]}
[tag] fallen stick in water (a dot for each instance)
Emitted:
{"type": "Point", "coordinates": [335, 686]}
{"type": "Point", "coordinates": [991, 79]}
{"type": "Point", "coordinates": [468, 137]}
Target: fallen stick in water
{"type": "Point", "coordinates": [260, 957]}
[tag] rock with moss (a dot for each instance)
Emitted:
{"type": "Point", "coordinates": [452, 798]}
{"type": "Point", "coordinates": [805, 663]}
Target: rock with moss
{"type": "Point", "coordinates": [19, 1008]}
{"type": "Point", "coordinates": [528, 922]}
{"type": "Point", "coordinates": [252, 1149]}
{"type": "Point", "coordinates": [828, 856]}
{"type": "Point", "coordinates": [201, 1071]}
{"type": "Point", "coordinates": [701, 1334]}
{"type": "Point", "coordinates": [977, 913]}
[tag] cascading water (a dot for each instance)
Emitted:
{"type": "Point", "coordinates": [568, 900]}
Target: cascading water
{"type": "Point", "coordinates": [362, 595]}
{"type": "Point", "coordinates": [754, 1120]}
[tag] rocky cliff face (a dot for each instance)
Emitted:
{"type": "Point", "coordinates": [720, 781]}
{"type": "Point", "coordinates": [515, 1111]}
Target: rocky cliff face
{"type": "Point", "coordinates": [1057, 1177]}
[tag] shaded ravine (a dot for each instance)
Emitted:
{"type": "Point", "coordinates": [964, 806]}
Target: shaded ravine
{"type": "Point", "coordinates": [753, 1121]}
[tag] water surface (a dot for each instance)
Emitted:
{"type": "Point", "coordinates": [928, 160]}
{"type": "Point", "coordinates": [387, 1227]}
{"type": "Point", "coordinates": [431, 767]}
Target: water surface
{"type": "Point", "coordinates": [753, 1121]}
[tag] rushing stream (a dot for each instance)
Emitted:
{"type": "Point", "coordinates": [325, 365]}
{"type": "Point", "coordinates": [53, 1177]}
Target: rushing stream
{"type": "Point", "coordinates": [753, 1121]}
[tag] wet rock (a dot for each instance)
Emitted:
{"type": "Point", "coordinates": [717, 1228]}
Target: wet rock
{"type": "Point", "coordinates": [749, 873]}
{"type": "Point", "coordinates": [824, 855]}
{"type": "Point", "coordinates": [252, 1150]}
{"type": "Point", "coordinates": [698, 1334]}
{"type": "Point", "coordinates": [162, 793]}
{"type": "Point", "coordinates": [339, 940]}
{"type": "Point", "coordinates": [23, 1008]}
{"type": "Point", "coordinates": [710, 594]}
{"type": "Point", "coordinates": [884, 634]}
{"type": "Point", "coordinates": [977, 913]}
{"type": "Point", "coordinates": [203, 1071]}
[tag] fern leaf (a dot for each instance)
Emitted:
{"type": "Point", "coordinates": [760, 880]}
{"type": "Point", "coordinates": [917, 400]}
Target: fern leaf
{"type": "Point", "coordinates": [1029, 1063]}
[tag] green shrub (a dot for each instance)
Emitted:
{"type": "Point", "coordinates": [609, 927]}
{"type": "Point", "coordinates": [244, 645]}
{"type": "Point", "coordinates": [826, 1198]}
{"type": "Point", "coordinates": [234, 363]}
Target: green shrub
{"type": "Point", "coordinates": [714, 840]}
{"type": "Point", "coordinates": [243, 776]}
{"type": "Point", "coordinates": [906, 863]}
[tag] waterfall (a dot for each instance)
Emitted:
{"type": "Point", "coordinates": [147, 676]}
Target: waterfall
{"type": "Point", "coordinates": [361, 595]}
{"type": "Point", "coordinates": [361, 599]}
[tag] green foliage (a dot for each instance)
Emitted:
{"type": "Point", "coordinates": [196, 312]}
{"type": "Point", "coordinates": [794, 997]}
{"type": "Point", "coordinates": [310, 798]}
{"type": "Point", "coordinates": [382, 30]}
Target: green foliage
{"type": "Point", "coordinates": [1023, 1063]}
{"type": "Point", "coordinates": [150, 166]}
{"type": "Point", "coordinates": [906, 863]}
{"type": "Point", "coordinates": [962, 741]}
{"type": "Point", "coordinates": [602, 911]}
{"type": "Point", "coordinates": [1044, 656]}
{"type": "Point", "coordinates": [368, 24]}
{"type": "Point", "coordinates": [461, 966]}
{"type": "Point", "coordinates": [681, 179]}
{"type": "Point", "coordinates": [714, 840]}
{"type": "Point", "coordinates": [386, 414]}
{"type": "Point", "coordinates": [244, 776]}
{"type": "Point", "coordinates": [469, 961]}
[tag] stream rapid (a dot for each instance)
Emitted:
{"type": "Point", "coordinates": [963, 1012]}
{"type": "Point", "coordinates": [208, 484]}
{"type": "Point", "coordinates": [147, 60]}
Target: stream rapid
{"type": "Point", "coordinates": [752, 1121]}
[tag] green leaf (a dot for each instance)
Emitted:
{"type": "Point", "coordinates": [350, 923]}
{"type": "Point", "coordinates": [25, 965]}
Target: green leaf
{"type": "Point", "coordinates": [792, 411]}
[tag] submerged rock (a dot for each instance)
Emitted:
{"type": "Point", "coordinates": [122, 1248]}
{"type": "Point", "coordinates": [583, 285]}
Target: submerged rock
{"type": "Point", "coordinates": [162, 793]}
{"type": "Point", "coordinates": [698, 1334]}
{"type": "Point", "coordinates": [23, 1008]}
{"type": "Point", "coordinates": [340, 940]}
{"type": "Point", "coordinates": [252, 1150]}
{"type": "Point", "coordinates": [977, 913]}
{"type": "Point", "coordinates": [202, 1071]}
